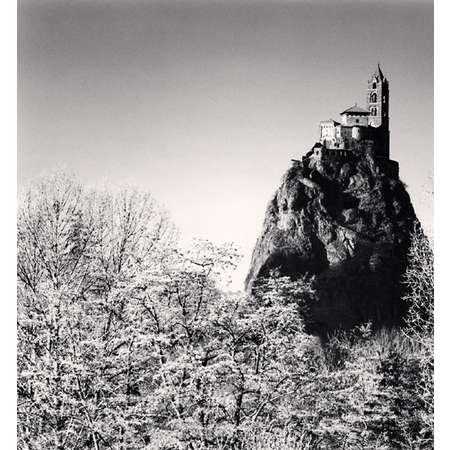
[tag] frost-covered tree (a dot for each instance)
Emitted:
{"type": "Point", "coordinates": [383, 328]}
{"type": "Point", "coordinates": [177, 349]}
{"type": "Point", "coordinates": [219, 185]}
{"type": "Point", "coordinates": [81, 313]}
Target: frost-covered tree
{"type": "Point", "coordinates": [419, 328]}
{"type": "Point", "coordinates": [126, 341]}
{"type": "Point", "coordinates": [222, 363]}
{"type": "Point", "coordinates": [419, 281]}
{"type": "Point", "coordinates": [76, 250]}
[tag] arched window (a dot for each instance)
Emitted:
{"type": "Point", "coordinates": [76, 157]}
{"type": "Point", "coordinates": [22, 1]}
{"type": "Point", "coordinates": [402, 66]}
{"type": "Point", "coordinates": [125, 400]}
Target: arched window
{"type": "Point", "coordinates": [373, 97]}
{"type": "Point", "coordinates": [373, 111]}
{"type": "Point", "coordinates": [374, 85]}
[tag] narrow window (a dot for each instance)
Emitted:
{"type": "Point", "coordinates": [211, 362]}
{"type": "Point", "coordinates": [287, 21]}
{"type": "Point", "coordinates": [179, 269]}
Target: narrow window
{"type": "Point", "coordinates": [373, 97]}
{"type": "Point", "coordinates": [374, 85]}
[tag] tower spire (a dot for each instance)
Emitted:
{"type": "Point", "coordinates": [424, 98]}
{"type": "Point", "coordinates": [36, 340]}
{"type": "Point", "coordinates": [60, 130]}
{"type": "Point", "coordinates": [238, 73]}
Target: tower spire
{"type": "Point", "coordinates": [378, 72]}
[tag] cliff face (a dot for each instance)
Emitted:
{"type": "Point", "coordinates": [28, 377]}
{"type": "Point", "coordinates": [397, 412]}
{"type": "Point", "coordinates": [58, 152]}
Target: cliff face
{"type": "Point", "coordinates": [347, 221]}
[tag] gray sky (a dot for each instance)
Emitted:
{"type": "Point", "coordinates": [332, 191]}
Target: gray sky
{"type": "Point", "coordinates": [204, 103]}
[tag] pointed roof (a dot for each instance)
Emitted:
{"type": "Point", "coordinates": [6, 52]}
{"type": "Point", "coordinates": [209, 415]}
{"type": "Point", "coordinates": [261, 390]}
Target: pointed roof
{"type": "Point", "coordinates": [355, 109]}
{"type": "Point", "coordinates": [378, 74]}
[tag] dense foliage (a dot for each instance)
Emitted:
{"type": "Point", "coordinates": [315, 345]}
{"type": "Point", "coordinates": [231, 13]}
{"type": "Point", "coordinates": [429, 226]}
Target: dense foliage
{"type": "Point", "coordinates": [126, 342]}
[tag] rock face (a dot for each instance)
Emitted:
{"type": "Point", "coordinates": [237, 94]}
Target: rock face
{"type": "Point", "coordinates": [348, 222]}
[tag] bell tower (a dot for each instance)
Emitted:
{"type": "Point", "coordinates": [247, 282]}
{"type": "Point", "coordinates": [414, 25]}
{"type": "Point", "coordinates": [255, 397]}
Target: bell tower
{"type": "Point", "coordinates": [378, 107]}
{"type": "Point", "coordinates": [378, 99]}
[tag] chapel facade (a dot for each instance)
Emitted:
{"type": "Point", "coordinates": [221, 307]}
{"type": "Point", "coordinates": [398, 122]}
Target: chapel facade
{"type": "Point", "coordinates": [367, 125]}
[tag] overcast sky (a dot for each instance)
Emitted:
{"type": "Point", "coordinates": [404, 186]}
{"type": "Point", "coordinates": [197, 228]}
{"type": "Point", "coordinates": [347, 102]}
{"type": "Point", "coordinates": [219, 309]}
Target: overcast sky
{"type": "Point", "coordinates": [204, 103]}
